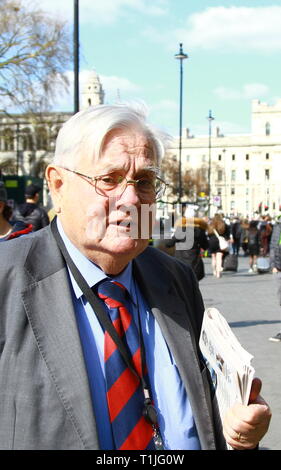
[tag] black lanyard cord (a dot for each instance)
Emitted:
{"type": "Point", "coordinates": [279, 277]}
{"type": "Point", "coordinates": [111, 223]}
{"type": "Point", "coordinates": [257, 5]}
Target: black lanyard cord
{"type": "Point", "coordinates": [95, 303]}
{"type": "Point", "coordinates": [149, 411]}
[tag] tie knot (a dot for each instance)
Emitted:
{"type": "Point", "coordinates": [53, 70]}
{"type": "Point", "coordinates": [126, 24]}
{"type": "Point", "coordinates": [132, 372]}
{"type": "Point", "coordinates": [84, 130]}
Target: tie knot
{"type": "Point", "coordinates": [114, 291]}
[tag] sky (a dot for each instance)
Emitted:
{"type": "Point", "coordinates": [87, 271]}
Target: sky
{"type": "Point", "coordinates": [233, 49]}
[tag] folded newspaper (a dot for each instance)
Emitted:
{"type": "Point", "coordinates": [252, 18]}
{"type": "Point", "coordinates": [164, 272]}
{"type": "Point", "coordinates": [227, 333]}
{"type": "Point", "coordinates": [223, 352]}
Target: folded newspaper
{"type": "Point", "coordinates": [228, 362]}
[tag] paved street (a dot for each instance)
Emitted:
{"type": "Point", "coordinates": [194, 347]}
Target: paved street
{"type": "Point", "coordinates": [249, 303]}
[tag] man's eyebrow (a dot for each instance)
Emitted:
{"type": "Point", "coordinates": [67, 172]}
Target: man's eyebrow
{"type": "Point", "coordinates": [115, 167]}
{"type": "Point", "coordinates": [151, 169]}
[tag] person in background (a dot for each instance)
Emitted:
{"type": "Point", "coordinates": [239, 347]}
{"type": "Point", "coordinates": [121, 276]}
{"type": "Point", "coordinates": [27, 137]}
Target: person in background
{"type": "Point", "coordinates": [10, 229]}
{"type": "Point", "coordinates": [253, 245]}
{"type": "Point", "coordinates": [30, 211]}
{"type": "Point", "coordinates": [217, 224]}
{"type": "Point", "coordinates": [275, 262]}
{"type": "Point", "coordinates": [236, 235]}
{"type": "Point", "coordinates": [265, 230]}
{"type": "Point", "coordinates": [189, 238]}
{"type": "Point", "coordinates": [245, 235]}
{"type": "Point", "coordinates": [99, 331]}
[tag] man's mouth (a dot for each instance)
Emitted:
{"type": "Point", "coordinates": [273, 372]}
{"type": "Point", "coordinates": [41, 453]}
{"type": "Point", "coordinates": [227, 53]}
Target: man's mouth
{"type": "Point", "coordinates": [123, 223]}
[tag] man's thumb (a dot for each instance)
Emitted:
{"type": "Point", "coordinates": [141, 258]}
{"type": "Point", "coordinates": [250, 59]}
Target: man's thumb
{"type": "Point", "coordinates": [255, 390]}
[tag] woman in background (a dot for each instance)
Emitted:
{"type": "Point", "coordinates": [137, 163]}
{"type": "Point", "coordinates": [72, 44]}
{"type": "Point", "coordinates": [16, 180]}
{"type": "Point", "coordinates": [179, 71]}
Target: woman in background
{"type": "Point", "coordinates": [217, 224]}
{"type": "Point", "coordinates": [253, 245]}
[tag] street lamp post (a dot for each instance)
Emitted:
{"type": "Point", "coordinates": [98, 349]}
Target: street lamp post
{"type": "Point", "coordinates": [180, 56]}
{"type": "Point", "coordinates": [210, 119]}
{"type": "Point", "coordinates": [76, 55]}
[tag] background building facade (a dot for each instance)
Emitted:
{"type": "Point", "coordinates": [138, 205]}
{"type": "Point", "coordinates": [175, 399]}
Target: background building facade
{"type": "Point", "coordinates": [245, 170]}
{"type": "Point", "coordinates": [242, 171]}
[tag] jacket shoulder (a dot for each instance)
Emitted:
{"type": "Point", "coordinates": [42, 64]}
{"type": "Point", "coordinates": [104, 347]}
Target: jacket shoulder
{"type": "Point", "coordinates": [164, 261]}
{"type": "Point", "coordinates": [36, 253]}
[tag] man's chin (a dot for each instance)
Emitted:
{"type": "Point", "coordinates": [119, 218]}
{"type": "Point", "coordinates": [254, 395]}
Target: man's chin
{"type": "Point", "coordinates": [125, 245]}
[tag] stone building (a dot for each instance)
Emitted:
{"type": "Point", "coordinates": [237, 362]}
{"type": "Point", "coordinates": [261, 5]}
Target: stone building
{"type": "Point", "coordinates": [245, 170]}
{"type": "Point", "coordinates": [27, 141]}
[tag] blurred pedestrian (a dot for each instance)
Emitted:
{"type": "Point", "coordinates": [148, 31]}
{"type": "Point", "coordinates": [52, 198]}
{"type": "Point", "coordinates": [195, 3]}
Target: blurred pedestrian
{"type": "Point", "coordinates": [189, 238]}
{"type": "Point", "coordinates": [9, 229]}
{"type": "Point", "coordinates": [218, 225]}
{"type": "Point", "coordinates": [30, 211]}
{"type": "Point", "coordinates": [236, 232]}
{"type": "Point", "coordinates": [244, 235]}
{"type": "Point", "coordinates": [265, 229]}
{"type": "Point", "coordinates": [253, 245]}
{"type": "Point", "coordinates": [275, 261]}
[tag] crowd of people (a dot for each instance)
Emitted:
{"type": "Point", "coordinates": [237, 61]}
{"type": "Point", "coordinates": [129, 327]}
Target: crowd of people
{"type": "Point", "coordinates": [258, 238]}
{"type": "Point", "coordinates": [250, 237]}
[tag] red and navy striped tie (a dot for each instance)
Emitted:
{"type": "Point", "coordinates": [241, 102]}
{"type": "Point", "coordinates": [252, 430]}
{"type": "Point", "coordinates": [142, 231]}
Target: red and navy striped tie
{"type": "Point", "coordinates": [124, 391]}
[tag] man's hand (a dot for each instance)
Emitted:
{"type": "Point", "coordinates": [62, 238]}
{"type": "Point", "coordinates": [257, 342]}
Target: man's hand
{"type": "Point", "coordinates": [244, 426]}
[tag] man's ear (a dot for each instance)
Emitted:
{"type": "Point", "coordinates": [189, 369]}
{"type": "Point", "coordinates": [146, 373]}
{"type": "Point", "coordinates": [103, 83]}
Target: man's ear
{"type": "Point", "coordinates": [55, 178]}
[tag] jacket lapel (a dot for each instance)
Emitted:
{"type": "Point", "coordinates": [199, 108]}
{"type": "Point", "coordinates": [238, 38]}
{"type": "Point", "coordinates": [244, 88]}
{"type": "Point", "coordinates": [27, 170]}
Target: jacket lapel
{"type": "Point", "coordinates": [49, 308]}
{"type": "Point", "coordinates": [173, 316]}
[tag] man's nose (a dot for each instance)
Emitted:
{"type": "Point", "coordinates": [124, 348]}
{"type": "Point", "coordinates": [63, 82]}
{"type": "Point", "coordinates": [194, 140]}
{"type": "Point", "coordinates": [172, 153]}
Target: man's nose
{"type": "Point", "coordinates": [130, 194]}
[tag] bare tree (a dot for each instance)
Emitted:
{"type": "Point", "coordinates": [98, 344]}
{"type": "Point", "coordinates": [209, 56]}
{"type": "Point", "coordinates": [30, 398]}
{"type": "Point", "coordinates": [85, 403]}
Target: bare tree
{"type": "Point", "coordinates": [8, 166]}
{"type": "Point", "coordinates": [194, 181]}
{"type": "Point", "coordinates": [34, 55]}
{"type": "Point", "coordinates": [169, 170]}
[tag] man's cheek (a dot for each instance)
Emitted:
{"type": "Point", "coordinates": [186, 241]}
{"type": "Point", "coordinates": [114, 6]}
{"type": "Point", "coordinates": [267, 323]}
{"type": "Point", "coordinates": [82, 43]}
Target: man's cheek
{"type": "Point", "coordinates": [147, 218]}
{"type": "Point", "coordinates": [96, 221]}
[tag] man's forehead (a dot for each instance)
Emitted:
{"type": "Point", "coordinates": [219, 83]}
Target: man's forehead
{"type": "Point", "coordinates": [131, 142]}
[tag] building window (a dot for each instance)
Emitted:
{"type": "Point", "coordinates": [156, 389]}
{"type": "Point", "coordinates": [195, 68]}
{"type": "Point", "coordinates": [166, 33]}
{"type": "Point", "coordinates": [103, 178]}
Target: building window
{"type": "Point", "coordinates": [247, 205]}
{"type": "Point", "coordinates": [267, 129]}
{"type": "Point", "coordinates": [26, 139]}
{"type": "Point", "coordinates": [187, 158]}
{"type": "Point", "coordinates": [233, 175]}
{"type": "Point", "coordinates": [247, 156]}
{"type": "Point", "coordinates": [247, 191]}
{"type": "Point", "coordinates": [219, 175]}
{"type": "Point", "coordinates": [204, 174]}
{"type": "Point", "coordinates": [247, 174]}
{"type": "Point", "coordinates": [41, 138]}
{"type": "Point", "coordinates": [233, 157]}
{"type": "Point", "coordinates": [267, 174]}
{"type": "Point", "coordinates": [232, 205]}
{"type": "Point", "coordinates": [267, 156]}
{"type": "Point", "coordinates": [219, 192]}
{"type": "Point", "coordinates": [219, 157]}
{"type": "Point", "coordinates": [232, 191]}
{"type": "Point", "coordinates": [8, 140]}
{"type": "Point", "coordinates": [203, 158]}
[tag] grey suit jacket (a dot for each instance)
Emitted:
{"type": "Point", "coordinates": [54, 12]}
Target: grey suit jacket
{"type": "Point", "coordinates": [45, 400]}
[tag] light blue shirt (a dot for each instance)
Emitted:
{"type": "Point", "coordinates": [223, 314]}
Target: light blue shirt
{"type": "Point", "coordinates": [175, 416]}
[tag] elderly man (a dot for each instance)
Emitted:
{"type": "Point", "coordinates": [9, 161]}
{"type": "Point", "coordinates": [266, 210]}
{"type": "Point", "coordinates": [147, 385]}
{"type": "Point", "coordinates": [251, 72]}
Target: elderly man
{"type": "Point", "coordinates": [99, 333]}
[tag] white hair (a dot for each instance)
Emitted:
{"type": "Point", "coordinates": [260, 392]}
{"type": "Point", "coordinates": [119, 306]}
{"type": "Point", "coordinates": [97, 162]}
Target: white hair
{"type": "Point", "coordinates": [85, 132]}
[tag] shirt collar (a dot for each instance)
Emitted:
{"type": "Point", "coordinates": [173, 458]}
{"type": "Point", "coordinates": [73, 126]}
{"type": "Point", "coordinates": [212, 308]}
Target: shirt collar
{"type": "Point", "coordinates": [89, 270]}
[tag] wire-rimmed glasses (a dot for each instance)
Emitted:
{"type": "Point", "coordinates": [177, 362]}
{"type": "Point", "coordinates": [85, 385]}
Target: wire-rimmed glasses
{"type": "Point", "coordinates": [114, 185]}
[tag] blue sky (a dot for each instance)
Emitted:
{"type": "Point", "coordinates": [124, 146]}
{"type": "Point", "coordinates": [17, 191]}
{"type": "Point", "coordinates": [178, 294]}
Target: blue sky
{"type": "Point", "coordinates": [233, 47]}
